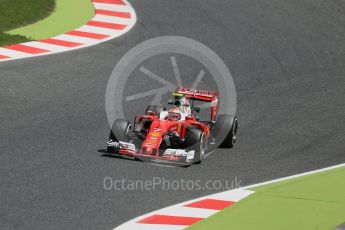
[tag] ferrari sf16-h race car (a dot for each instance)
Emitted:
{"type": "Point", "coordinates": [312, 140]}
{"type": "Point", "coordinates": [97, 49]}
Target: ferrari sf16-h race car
{"type": "Point", "coordinates": [175, 134]}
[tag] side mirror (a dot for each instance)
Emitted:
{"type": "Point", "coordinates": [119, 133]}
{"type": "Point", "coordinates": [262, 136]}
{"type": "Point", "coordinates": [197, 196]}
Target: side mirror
{"type": "Point", "coordinates": [151, 113]}
{"type": "Point", "coordinates": [196, 109]}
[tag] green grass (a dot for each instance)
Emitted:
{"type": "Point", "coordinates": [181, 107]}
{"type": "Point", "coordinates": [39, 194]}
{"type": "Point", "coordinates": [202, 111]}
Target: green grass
{"type": "Point", "coordinates": [311, 202]}
{"type": "Point", "coordinates": [16, 13]}
{"type": "Point", "coordinates": [6, 39]}
{"type": "Point", "coordinates": [68, 15]}
{"type": "Point", "coordinates": [24, 20]}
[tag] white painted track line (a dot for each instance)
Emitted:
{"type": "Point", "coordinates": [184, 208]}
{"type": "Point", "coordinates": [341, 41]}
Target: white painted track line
{"type": "Point", "coordinates": [295, 176]}
{"type": "Point", "coordinates": [233, 195]}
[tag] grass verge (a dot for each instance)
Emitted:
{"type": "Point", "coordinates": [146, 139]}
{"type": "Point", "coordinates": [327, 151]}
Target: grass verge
{"type": "Point", "coordinates": [16, 13]}
{"type": "Point", "coordinates": [25, 20]}
{"type": "Point", "coordinates": [315, 201]}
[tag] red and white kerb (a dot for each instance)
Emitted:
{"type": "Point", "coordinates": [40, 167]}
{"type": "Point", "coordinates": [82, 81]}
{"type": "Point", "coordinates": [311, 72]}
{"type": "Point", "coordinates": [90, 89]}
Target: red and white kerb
{"type": "Point", "coordinates": [183, 215]}
{"type": "Point", "coordinates": [112, 19]}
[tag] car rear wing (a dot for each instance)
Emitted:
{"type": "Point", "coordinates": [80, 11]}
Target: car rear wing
{"type": "Point", "coordinates": [200, 95]}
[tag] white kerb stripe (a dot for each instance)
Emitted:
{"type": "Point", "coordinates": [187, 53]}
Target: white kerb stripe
{"type": "Point", "coordinates": [232, 195]}
{"type": "Point", "coordinates": [112, 19]}
{"type": "Point", "coordinates": [76, 39]}
{"type": "Point", "coordinates": [13, 53]}
{"type": "Point", "coordinates": [114, 7]}
{"type": "Point", "coordinates": [136, 226]}
{"type": "Point", "coordinates": [46, 46]}
{"type": "Point", "coordinates": [99, 30]}
{"type": "Point", "coordinates": [187, 212]}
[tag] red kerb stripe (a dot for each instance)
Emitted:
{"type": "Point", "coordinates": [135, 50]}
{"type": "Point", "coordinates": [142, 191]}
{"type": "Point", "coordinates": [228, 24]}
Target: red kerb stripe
{"type": "Point", "coordinates": [87, 34]}
{"type": "Point", "coordinates": [26, 49]}
{"type": "Point", "coordinates": [114, 13]}
{"type": "Point", "coordinates": [61, 42]}
{"type": "Point", "coordinates": [172, 220]}
{"type": "Point", "coordinates": [210, 204]}
{"type": "Point", "coordinates": [3, 57]}
{"type": "Point", "coordinates": [107, 25]}
{"type": "Point", "coordinates": [117, 2]}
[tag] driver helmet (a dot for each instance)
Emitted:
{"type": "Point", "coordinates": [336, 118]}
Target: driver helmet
{"type": "Point", "coordinates": [185, 106]}
{"type": "Point", "coordinates": [174, 114]}
{"type": "Point", "coordinates": [174, 109]}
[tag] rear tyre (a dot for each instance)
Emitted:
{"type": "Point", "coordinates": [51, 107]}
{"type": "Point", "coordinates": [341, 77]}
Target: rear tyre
{"type": "Point", "coordinates": [225, 129]}
{"type": "Point", "coordinates": [196, 140]}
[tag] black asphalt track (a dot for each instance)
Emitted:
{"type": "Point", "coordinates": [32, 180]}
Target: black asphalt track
{"type": "Point", "coordinates": [287, 58]}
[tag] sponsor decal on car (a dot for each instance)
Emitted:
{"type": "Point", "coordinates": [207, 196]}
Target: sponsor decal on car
{"type": "Point", "coordinates": [155, 134]}
{"type": "Point", "coordinates": [190, 155]}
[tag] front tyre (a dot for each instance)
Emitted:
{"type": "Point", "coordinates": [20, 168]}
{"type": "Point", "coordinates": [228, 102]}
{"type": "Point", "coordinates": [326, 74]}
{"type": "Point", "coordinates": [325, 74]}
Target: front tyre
{"type": "Point", "coordinates": [120, 131]}
{"type": "Point", "coordinates": [196, 141]}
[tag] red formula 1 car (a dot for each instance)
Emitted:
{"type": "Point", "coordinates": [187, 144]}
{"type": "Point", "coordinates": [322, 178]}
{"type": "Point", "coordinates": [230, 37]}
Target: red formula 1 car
{"type": "Point", "coordinates": [177, 134]}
